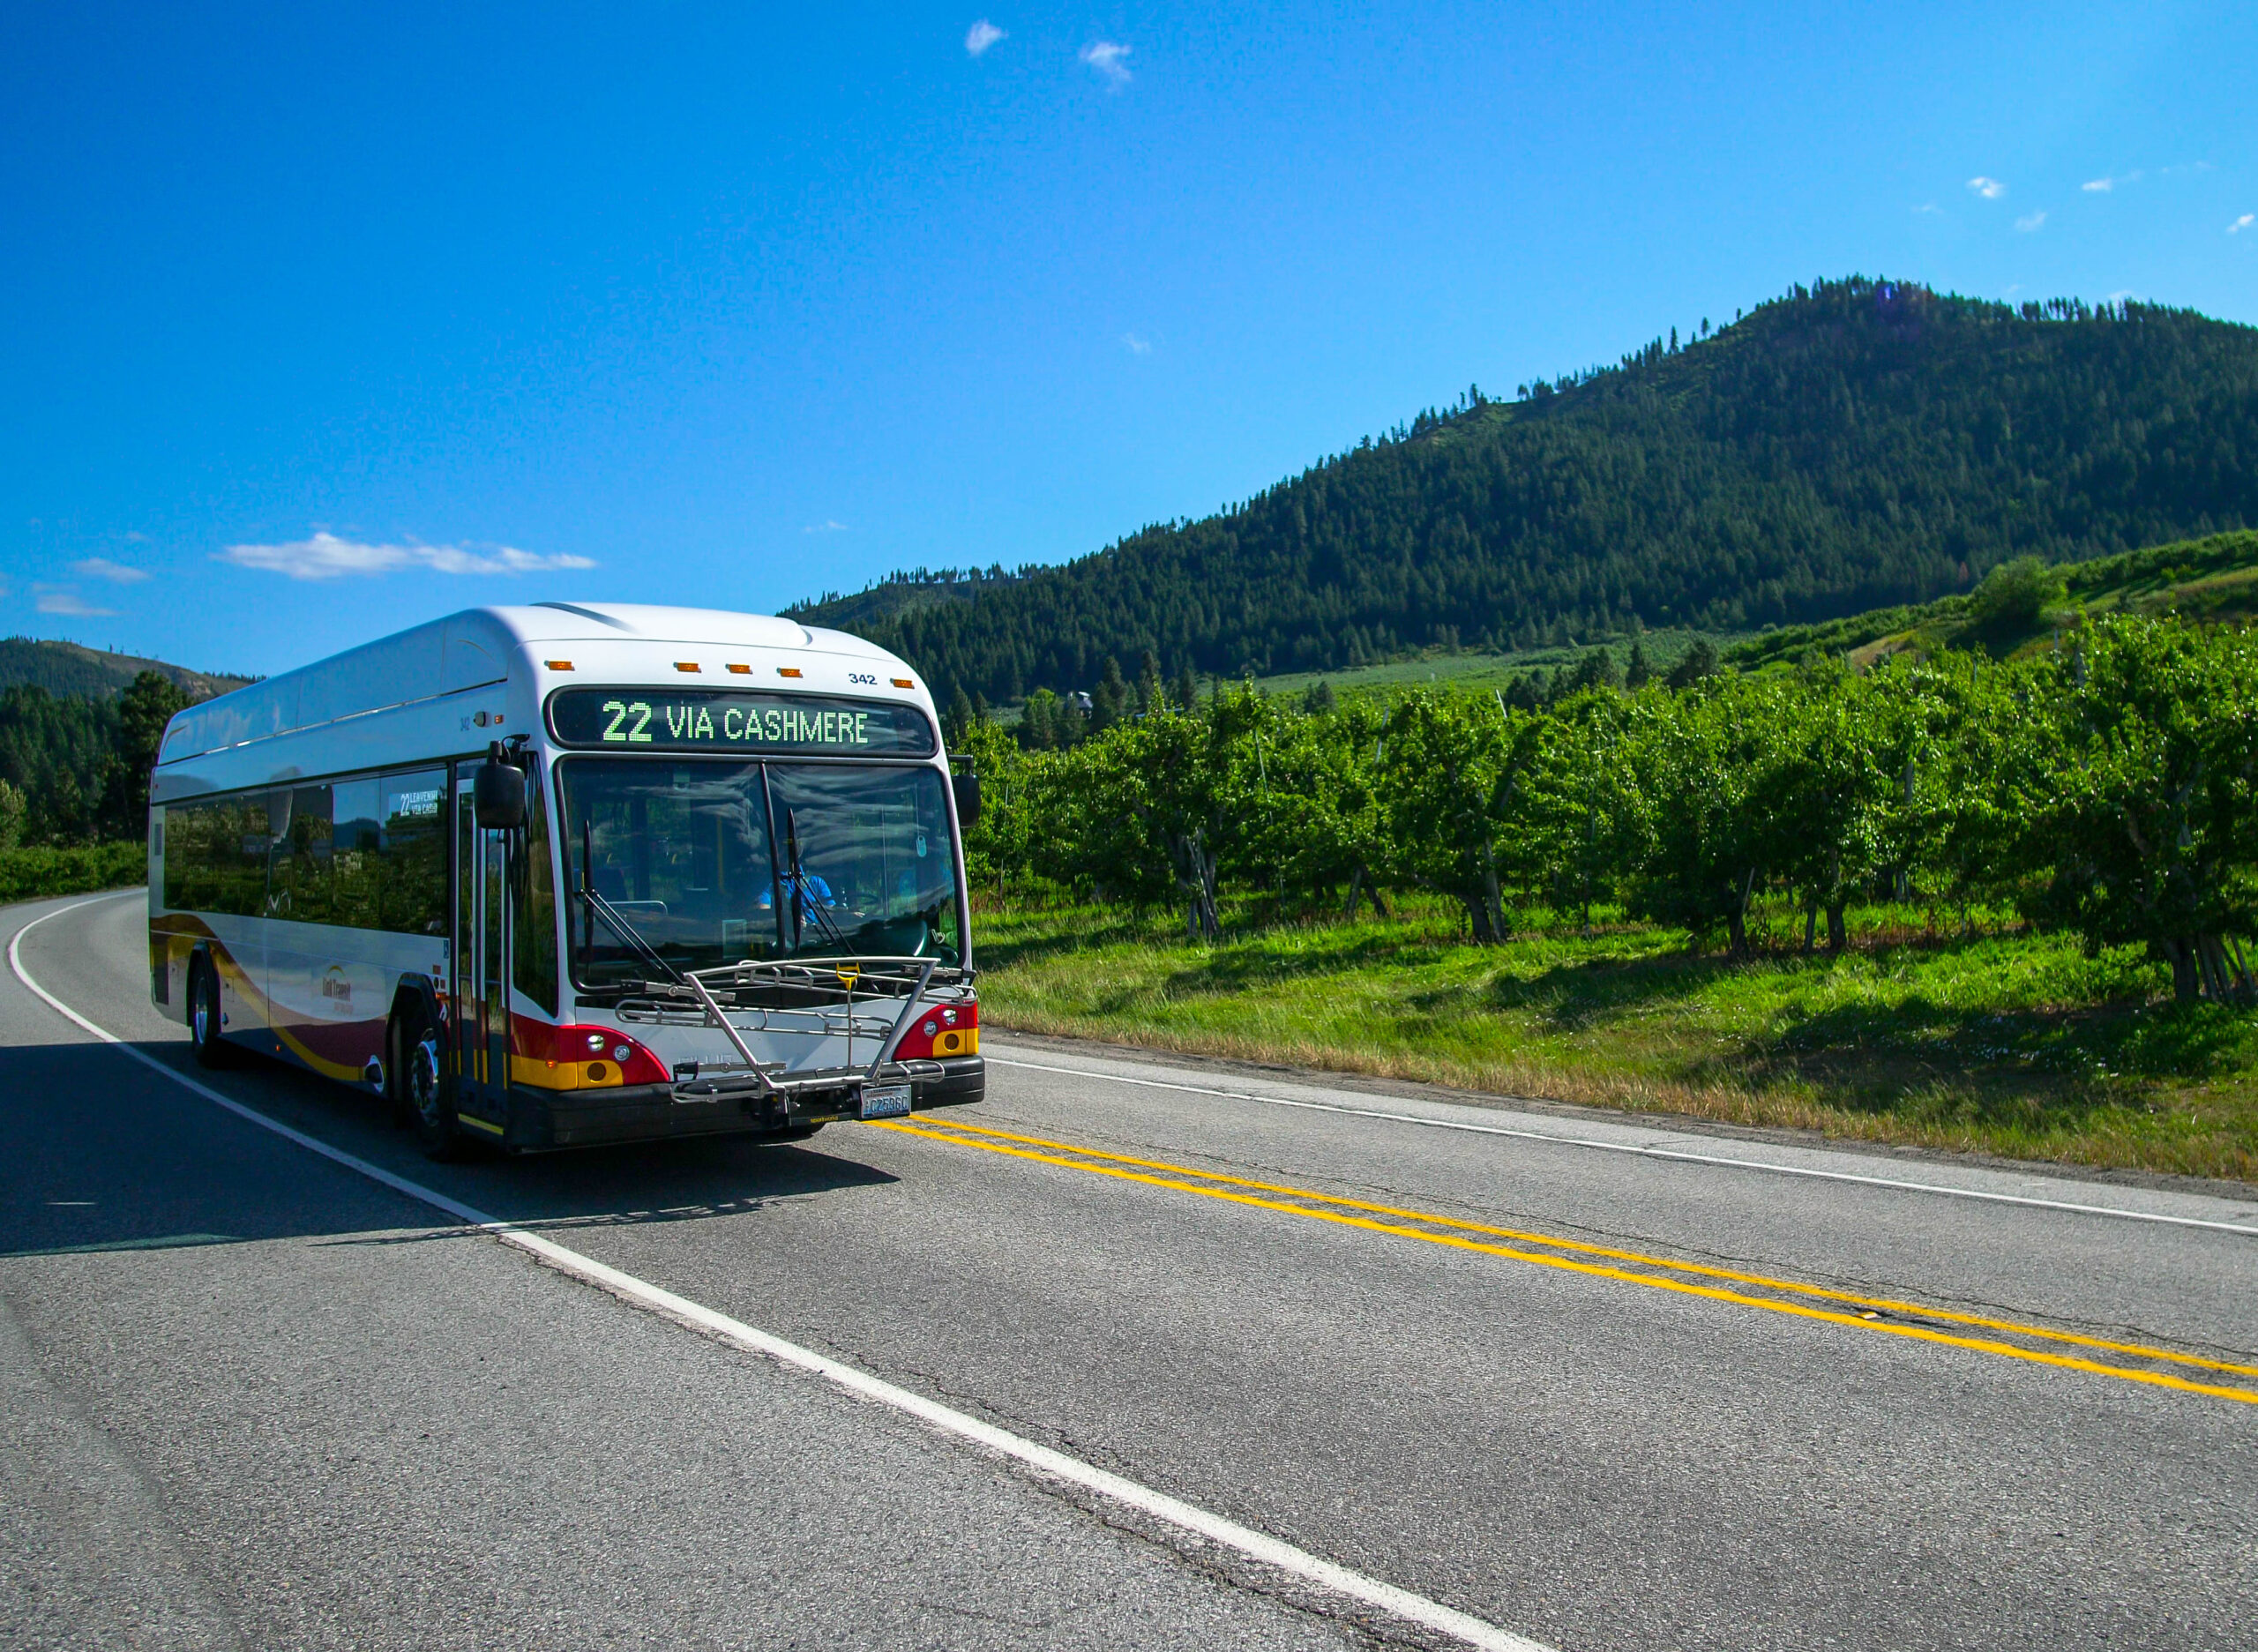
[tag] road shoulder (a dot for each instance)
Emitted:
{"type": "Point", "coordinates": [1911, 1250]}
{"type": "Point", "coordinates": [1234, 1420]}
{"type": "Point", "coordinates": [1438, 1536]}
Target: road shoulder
{"type": "Point", "coordinates": [1875, 1158]}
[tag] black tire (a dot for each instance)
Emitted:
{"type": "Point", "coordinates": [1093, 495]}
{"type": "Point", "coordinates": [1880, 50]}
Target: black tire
{"type": "Point", "coordinates": [205, 1019]}
{"type": "Point", "coordinates": [420, 1085]}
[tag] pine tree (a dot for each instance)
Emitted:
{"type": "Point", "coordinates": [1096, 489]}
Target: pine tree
{"type": "Point", "coordinates": [1701, 662]}
{"type": "Point", "coordinates": [1111, 700]}
{"type": "Point", "coordinates": [144, 708]}
{"type": "Point", "coordinates": [1149, 693]}
{"type": "Point", "coordinates": [1038, 722]}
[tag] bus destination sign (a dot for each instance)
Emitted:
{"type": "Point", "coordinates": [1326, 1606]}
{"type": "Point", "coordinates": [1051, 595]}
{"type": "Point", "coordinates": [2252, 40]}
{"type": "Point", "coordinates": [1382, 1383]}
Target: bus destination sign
{"type": "Point", "coordinates": [721, 720]}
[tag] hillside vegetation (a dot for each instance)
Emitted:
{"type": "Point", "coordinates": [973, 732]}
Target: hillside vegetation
{"type": "Point", "coordinates": [74, 768]}
{"type": "Point", "coordinates": [2207, 582]}
{"type": "Point", "coordinates": [2019, 604]}
{"type": "Point", "coordinates": [1855, 446]}
{"type": "Point", "coordinates": [78, 732]}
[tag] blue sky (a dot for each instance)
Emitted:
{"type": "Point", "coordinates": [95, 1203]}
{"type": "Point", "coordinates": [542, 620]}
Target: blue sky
{"type": "Point", "coordinates": [729, 306]}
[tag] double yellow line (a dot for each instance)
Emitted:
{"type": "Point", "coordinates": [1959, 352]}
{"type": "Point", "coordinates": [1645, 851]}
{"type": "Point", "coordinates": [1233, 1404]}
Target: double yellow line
{"type": "Point", "coordinates": [2037, 1344]}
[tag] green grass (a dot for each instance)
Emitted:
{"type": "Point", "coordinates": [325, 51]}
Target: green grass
{"type": "Point", "coordinates": [1997, 1043]}
{"type": "Point", "coordinates": [35, 874]}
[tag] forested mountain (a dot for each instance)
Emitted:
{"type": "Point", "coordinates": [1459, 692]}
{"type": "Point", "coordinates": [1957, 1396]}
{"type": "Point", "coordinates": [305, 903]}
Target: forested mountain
{"type": "Point", "coordinates": [67, 667]}
{"type": "Point", "coordinates": [1849, 446]}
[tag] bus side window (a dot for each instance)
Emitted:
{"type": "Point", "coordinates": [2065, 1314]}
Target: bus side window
{"type": "Point", "coordinates": [216, 855]}
{"type": "Point", "coordinates": [299, 821]}
{"type": "Point", "coordinates": [412, 844]}
{"type": "Point", "coordinates": [355, 834]}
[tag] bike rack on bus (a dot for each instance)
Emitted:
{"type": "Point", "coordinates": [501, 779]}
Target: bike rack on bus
{"type": "Point", "coordinates": [811, 998]}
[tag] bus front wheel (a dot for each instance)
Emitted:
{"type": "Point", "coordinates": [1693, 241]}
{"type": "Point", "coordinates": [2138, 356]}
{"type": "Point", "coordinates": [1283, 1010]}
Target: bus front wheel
{"type": "Point", "coordinates": [422, 1085]}
{"type": "Point", "coordinates": [206, 1022]}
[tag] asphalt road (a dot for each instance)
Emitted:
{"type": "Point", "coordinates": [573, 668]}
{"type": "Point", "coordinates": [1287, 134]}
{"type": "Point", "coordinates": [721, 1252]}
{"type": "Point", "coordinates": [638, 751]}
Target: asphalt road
{"type": "Point", "coordinates": [1602, 1384]}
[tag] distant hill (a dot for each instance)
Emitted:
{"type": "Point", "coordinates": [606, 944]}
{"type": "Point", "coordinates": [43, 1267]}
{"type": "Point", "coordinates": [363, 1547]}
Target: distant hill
{"type": "Point", "coordinates": [1851, 446]}
{"type": "Point", "coordinates": [65, 668]}
{"type": "Point", "coordinates": [896, 596]}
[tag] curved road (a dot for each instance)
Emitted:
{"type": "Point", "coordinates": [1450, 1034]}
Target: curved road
{"type": "Point", "coordinates": [1596, 1383]}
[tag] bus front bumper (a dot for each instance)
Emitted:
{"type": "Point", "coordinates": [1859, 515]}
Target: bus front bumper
{"type": "Point", "coordinates": [650, 1112]}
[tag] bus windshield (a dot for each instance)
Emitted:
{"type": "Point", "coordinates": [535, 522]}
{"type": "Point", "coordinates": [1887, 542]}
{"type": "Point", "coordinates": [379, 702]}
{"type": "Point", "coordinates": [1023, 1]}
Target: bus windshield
{"type": "Point", "coordinates": [698, 855]}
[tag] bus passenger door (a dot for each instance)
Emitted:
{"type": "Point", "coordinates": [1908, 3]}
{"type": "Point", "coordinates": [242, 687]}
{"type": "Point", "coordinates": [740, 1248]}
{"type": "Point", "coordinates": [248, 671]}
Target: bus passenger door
{"type": "Point", "coordinates": [481, 965]}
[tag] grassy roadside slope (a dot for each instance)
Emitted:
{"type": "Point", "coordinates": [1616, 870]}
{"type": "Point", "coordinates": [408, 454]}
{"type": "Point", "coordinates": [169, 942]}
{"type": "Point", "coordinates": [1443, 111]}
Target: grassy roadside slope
{"type": "Point", "coordinates": [2003, 1043]}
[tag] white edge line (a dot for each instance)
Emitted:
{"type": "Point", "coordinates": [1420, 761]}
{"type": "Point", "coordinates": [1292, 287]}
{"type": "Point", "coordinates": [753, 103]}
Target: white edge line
{"type": "Point", "coordinates": [1677, 1154]}
{"type": "Point", "coordinates": [1053, 1464]}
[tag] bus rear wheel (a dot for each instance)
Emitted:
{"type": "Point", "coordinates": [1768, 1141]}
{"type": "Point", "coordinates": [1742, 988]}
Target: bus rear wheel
{"type": "Point", "coordinates": [206, 1022]}
{"type": "Point", "coordinates": [421, 1090]}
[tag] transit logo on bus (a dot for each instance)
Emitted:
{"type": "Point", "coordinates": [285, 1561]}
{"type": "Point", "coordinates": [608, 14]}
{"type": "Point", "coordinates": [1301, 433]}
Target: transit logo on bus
{"type": "Point", "coordinates": [724, 721]}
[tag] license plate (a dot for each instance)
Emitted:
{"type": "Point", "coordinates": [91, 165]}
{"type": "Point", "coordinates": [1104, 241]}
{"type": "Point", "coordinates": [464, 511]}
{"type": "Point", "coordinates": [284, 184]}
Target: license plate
{"type": "Point", "coordinates": [885, 1100]}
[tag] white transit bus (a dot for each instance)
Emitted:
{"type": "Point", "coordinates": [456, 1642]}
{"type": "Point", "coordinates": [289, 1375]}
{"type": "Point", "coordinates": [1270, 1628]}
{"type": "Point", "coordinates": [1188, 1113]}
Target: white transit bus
{"type": "Point", "coordinates": [566, 874]}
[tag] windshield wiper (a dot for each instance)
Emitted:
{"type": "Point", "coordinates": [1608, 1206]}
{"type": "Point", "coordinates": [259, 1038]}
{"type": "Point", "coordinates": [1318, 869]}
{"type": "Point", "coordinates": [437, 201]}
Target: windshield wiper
{"type": "Point", "coordinates": [618, 925]}
{"type": "Point", "coordinates": [801, 904]}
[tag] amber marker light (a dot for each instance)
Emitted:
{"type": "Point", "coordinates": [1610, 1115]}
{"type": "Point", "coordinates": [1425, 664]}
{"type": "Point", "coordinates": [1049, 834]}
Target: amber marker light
{"type": "Point", "coordinates": [685, 665]}
{"type": "Point", "coordinates": [788, 671]}
{"type": "Point", "coordinates": [740, 671]}
{"type": "Point", "coordinates": [558, 665]}
{"type": "Point", "coordinates": [903, 682]}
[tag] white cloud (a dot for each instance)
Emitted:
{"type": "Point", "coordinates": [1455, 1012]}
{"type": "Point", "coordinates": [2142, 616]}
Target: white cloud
{"type": "Point", "coordinates": [825, 526]}
{"type": "Point", "coordinates": [1109, 58]}
{"type": "Point", "coordinates": [103, 568]}
{"type": "Point", "coordinates": [2098, 186]}
{"type": "Point", "coordinates": [1137, 345]}
{"type": "Point", "coordinates": [1990, 189]}
{"type": "Point", "coordinates": [2030, 224]}
{"type": "Point", "coordinates": [1928, 206]}
{"type": "Point", "coordinates": [326, 557]}
{"type": "Point", "coordinates": [2121, 294]}
{"type": "Point", "coordinates": [61, 599]}
{"type": "Point", "coordinates": [2242, 223]}
{"type": "Point", "coordinates": [981, 36]}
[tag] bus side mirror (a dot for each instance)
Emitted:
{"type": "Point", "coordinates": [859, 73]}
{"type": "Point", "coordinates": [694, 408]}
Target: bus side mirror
{"type": "Point", "coordinates": [967, 786]}
{"type": "Point", "coordinates": [498, 795]}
